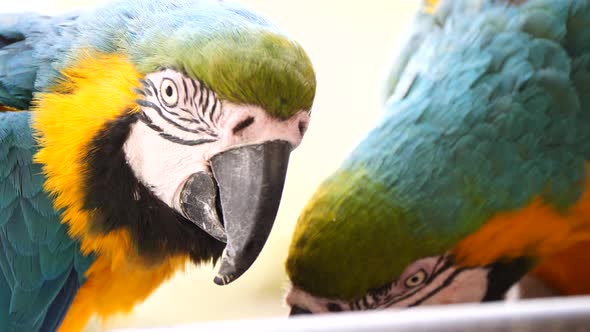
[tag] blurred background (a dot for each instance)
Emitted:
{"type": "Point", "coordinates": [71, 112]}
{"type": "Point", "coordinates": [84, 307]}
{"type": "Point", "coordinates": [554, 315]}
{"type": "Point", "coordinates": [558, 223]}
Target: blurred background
{"type": "Point", "coordinates": [350, 44]}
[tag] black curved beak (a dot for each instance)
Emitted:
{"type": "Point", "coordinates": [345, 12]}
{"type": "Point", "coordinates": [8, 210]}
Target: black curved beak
{"type": "Point", "coordinates": [245, 190]}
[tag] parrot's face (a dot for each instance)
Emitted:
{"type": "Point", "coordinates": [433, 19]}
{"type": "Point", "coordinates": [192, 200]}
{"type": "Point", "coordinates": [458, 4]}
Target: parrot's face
{"type": "Point", "coordinates": [197, 127]}
{"type": "Point", "coordinates": [221, 165]}
{"type": "Point", "coordinates": [428, 281]}
{"type": "Point", "coordinates": [181, 132]}
{"type": "Point", "coordinates": [357, 247]}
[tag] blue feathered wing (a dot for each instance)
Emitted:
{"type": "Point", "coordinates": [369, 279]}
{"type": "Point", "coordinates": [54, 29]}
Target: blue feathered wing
{"type": "Point", "coordinates": [41, 267]}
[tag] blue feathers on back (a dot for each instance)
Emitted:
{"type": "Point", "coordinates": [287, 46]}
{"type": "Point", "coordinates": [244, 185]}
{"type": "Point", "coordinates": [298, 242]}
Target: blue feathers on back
{"type": "Point", "coordinates": [41, 267]}
{"type": "Point", "coordinates": [30, 45]}
{"type": "Point", "coordinates": [491, 109]}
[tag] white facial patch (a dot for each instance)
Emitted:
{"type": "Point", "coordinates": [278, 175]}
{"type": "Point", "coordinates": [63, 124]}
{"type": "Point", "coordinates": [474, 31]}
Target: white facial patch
{"type": "Point", "coordinates": [452, 286]}
{"type": "Point", "coordinates": [160, 164]}
{"type": "Point", "coordinates": [183, 124]}
{"type": "Point", "coordinates": [429, 281]}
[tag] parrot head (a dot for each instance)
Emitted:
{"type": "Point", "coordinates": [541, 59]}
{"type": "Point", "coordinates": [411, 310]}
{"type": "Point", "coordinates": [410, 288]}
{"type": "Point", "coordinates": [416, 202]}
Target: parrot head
{"type": "Point", "coordinates": [463, 187]}
{"type": "Point", "coordinates": [470, 179]}
{"type": "Point", "coordinates": [353, 249]}
{"type": "Point", "coordinates": [177, 120]}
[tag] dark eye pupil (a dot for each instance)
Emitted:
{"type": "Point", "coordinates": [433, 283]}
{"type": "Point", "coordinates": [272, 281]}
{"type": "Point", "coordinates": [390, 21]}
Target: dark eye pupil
{"type": "Point", "coordinates": [415, 279]}
{"type": "Point", "coordinates": [169, 91]}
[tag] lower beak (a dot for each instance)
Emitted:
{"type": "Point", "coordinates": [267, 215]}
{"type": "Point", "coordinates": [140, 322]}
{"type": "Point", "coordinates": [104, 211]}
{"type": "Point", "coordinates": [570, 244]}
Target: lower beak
{"type": "Point", "coordinates": [246, 190]}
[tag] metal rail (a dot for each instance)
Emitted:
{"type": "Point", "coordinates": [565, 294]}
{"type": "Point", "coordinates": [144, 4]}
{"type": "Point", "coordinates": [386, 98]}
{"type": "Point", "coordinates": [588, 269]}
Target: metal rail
{"type": "Point", "coordinates": [555, 314]}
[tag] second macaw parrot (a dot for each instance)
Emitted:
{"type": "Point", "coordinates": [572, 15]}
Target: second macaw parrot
{"type": "Point", "coordinates": [134, 139]}
{"type": "Point", "coordinates": [477, 174]}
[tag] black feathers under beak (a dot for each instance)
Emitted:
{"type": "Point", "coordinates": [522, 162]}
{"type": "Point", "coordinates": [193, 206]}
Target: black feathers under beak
{"type": "Point", "coordinates": [245, 189]}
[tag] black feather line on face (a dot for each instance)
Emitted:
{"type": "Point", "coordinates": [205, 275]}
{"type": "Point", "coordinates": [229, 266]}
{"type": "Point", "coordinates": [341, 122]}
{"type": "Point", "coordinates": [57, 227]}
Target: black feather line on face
{"type": "Point", "coordinates": [504, 275]}
{"type": "Point", "coordinates": [117, 200]}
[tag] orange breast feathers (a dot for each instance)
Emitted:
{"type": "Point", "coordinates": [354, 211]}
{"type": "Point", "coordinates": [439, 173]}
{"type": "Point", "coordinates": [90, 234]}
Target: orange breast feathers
{"type": "Point", "coordinates": [567, 272]}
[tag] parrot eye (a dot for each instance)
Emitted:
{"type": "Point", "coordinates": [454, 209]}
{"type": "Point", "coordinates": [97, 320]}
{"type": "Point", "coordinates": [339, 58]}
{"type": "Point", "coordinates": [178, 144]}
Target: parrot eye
{"type": "Point", "coordinates": [415, 279]}
{"type": "Point", "coordinates": [169, 92]}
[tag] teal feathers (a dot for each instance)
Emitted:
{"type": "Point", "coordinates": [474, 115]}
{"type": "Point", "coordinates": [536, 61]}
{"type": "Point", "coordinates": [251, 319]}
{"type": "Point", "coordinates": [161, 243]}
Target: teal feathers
{"type": "Point", "coordinates": [41, 266]}
{"type": "Point", "coordinates": [30, 47]}
{"type": "Point", "coordinates": [17, 73]}
{"type": "Point", "coordinates": [486, 110]}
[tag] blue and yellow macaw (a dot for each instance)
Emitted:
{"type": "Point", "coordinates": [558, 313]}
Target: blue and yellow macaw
{"type": "Point", "coordinates": [135, 138]}
{"type": "Point", "coordinates": [477, 174]}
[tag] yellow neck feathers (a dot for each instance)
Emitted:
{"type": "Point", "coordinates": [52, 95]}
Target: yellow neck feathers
{"type": "Point", "coordinates": [66, 119]}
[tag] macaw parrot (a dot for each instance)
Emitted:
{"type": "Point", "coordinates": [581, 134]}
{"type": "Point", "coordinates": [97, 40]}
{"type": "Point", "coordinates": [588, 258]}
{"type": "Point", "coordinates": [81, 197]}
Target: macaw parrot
{"type": "Point", "coordinates": [133, 139]}
{"type": "Point", "coordinates": [477, 174]}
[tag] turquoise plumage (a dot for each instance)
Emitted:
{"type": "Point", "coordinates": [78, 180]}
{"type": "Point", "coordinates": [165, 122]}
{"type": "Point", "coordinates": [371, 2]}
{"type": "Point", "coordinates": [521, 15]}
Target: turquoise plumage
{"type": "Point", "coordinates": [38, 260]}
{"type": "Point", "coordinates": [487, 108]}
{"type": "Point", "coordinates": [500, 81]}
{"type": "Point", "coordinates": [31, 45]}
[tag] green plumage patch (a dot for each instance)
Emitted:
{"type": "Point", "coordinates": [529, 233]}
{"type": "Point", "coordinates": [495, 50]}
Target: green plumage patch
{"type": "Point", "coordinates": [335, 222]}
{"type": "Point", "coordinates": [241, 56]}
{"type": "Point", "coordinates": [245, 67]}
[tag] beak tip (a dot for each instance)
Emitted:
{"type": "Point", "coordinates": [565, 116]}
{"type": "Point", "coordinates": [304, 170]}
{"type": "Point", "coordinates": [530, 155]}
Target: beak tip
{"type": "Point", "coordinates": [219, 281]}
{"type": "Point", "coordinates": [223, 280]}
{"type": "Point", "coordinates": [250, 181]}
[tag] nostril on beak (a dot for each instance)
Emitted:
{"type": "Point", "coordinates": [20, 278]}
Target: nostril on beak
{"type": "Point", "coordinates": [243, 124]}
{"type": "Point", "coordinates": [302, 127]}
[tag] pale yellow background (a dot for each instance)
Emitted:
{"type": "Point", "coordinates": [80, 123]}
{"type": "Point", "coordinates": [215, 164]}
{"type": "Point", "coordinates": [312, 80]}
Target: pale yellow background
{"type": "Point", "coordinates": [350, 44]}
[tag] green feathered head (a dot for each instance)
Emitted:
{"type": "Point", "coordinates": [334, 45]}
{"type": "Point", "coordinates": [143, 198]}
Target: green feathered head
{"type": "Point", "coordinates": [241, 56]}
{"type": "Point", "coordinates": [352, 217]}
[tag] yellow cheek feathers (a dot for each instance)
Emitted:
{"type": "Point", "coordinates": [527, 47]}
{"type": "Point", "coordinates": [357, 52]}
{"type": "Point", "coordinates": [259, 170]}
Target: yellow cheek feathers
{"type": "Point", "coordinates": [66, 119]}
{"type": "Point", "coordinates": [538, 230]}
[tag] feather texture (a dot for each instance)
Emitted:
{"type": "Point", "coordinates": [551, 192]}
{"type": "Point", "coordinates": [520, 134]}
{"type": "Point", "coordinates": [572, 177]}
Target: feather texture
{"type": "Point", "coordinates": [30, 45]}
{"type": "Point", "coordinates": [199, 37]}
{"type": "Point", "coordinates": [41, 267]}
{"type": "Point", "coordinates": [487, 109]}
